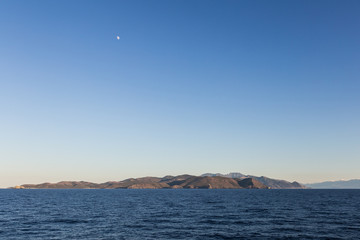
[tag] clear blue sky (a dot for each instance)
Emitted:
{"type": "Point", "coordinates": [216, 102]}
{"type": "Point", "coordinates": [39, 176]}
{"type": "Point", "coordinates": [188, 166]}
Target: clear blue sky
{"type": "Point", "coordinates": [259, 87]}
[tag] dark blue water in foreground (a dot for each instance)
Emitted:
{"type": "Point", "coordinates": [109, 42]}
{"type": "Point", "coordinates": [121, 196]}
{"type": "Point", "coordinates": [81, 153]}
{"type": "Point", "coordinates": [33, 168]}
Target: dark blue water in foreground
{"type": "Point", "coordinates": [179, 214]}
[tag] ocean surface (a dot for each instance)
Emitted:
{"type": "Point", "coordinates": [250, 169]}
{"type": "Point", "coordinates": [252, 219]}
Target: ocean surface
{"type": "Point", "coordinates": [179, 214]}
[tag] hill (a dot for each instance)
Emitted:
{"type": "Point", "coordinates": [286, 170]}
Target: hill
{"type": "Point", "coordinates": [269, 182]}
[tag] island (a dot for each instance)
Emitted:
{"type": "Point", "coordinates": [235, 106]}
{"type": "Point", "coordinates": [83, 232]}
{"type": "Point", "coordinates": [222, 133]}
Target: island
{"type": "Point", "coordinates": [205, 181]}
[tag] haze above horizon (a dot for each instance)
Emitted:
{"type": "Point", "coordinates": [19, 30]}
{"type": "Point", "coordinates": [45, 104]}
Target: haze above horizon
{"type": "Point", "coordinates": [259, 87]}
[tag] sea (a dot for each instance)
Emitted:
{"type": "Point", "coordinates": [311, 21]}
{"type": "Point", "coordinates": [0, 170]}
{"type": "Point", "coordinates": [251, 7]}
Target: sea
{"type": "Point", "coordinates": [28, 214]}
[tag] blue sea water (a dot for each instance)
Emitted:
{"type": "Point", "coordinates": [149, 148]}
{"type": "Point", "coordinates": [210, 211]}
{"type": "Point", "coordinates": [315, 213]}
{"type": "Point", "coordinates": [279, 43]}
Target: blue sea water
{"type": "Point", "coordinates": [179, 214]}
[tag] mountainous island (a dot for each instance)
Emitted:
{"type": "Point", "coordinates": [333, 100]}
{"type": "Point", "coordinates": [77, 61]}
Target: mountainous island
{"type": "Point", "coordinates": [205, 181]}
{"type": "Point", "coordinates": [342, 184]}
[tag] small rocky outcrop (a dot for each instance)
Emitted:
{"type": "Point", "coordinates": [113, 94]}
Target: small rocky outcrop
{"type": "Point", "coordinates": [251, 183]}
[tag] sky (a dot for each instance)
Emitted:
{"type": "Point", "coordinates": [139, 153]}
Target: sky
{"type": "Point", "coordinates": [267, 88]}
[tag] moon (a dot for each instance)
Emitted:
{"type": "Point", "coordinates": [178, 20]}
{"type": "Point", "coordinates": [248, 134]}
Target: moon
{"type": "Point", "coordinates": [118, 37]}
